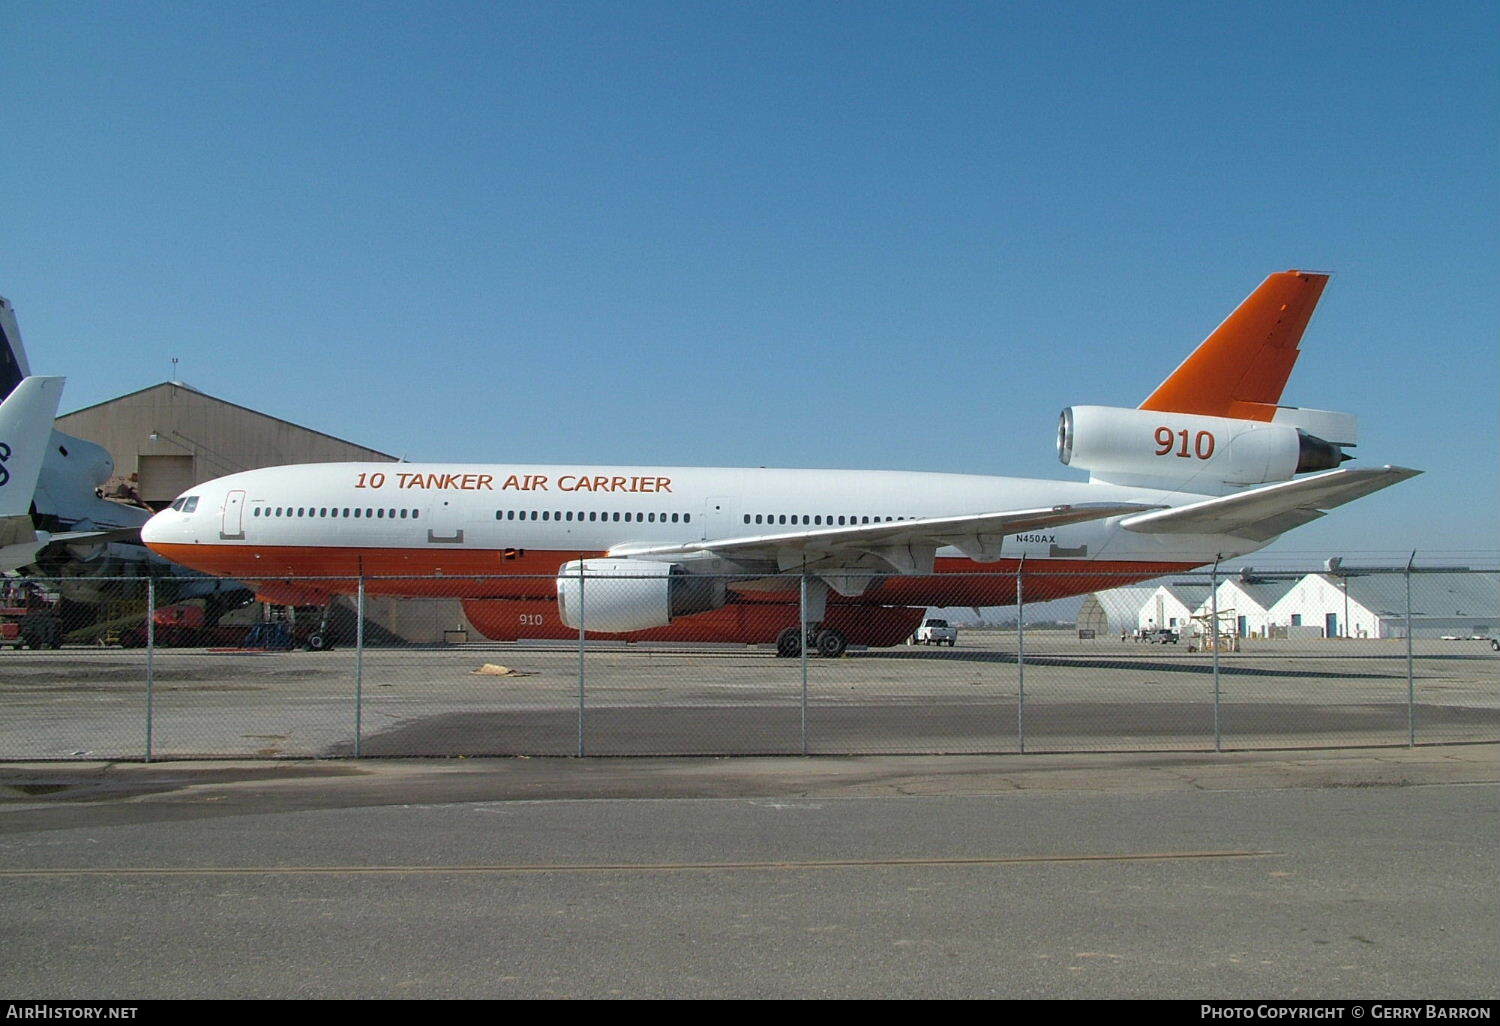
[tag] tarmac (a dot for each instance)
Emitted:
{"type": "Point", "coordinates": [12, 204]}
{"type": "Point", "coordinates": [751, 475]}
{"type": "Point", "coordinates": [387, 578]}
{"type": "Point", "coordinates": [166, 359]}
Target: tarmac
{"type": "Point", "coordinates": [649, 700]}
{"type": "Point", "coordinates": [1356, 872]}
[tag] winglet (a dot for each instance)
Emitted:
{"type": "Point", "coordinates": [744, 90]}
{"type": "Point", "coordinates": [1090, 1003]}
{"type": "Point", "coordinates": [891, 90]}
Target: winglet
{"type": "Point", "coordinates": [1240, 370]}
{"type": "Point", "coordinates": [26, 418]}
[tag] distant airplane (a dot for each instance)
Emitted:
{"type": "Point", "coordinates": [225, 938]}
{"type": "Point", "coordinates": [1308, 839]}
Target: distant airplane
{"type": "Point", "coordinates": [1206, 468]}
{"type": "Point", "coordinates": [54, 522]}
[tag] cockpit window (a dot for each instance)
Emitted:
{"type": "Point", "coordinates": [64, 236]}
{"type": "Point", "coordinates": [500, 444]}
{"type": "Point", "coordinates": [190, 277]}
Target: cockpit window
{"type": "Point", "coordinates": [178, 504]}
{"type": "Point", "coordinates": [189, 504]}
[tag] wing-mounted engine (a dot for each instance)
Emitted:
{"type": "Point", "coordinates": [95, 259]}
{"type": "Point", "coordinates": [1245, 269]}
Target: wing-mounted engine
{"type": "Point", "coordinates": [614, 596]}
{"type": "Point", "coordinates": [1178, 450]}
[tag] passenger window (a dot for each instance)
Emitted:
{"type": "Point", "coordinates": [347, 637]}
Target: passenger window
{"type": "Point", "coordinates": [687, 518]}
{"type": "Point", "coordinates": [356, 513]}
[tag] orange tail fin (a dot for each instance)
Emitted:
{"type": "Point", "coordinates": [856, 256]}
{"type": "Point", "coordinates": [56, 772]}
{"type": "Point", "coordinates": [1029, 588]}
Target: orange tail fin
{"type": "Point", "coordinates": [1240, 370]}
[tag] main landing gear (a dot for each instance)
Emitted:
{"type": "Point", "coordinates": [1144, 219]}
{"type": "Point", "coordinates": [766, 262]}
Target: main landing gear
{"type": "Point", "coordinates": [825, 641]}
{"type": "Point", "coordinates": [321, 639]}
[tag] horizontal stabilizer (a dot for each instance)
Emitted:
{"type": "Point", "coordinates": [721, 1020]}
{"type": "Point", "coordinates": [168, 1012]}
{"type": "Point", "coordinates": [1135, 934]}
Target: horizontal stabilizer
{"type": "Point", "coordinates": [1263, 513]}
{"type": "Point", "coordinates": [924, 531]}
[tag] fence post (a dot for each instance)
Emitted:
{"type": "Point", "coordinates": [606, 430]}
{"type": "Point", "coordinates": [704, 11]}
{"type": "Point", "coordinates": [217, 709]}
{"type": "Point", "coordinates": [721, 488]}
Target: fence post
{"type": "Point", "coordinates": [581, 647]}
{"type": "Point", "coordinates": [802, 649]}
{"type": "Point", "coordinates": [1021, 655]}
{"type": "Point", "coordinates": [1411, 681]}
{"type": "Point", "coordinates": [150, 665]}
{"type": "Point", "coordinates": [359, 667]}
{"type": "Point", "coordinates": [1213, 597]}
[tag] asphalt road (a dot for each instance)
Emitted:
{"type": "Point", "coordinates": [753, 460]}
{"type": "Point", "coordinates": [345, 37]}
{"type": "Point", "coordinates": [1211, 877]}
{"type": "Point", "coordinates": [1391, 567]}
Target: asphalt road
{"type": "Point", "coordinates": [1090, 876]}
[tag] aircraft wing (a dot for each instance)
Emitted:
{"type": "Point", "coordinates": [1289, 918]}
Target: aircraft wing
{"type": "Point", "coordinates": [977, 534]}
{"type": "Point", "coordinates": [24, 551]}
{"type": "Point", "coordinates": [1262, 513]}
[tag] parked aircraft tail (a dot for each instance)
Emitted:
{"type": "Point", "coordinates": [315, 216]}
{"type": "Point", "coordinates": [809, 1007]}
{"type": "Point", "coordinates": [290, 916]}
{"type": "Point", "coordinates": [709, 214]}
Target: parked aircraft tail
{"type": "Point", "coordinates": [25, 426]}
{"type": "Point", "coordinates": [13, 364]}
{"type": "Point", "coordinates": [1239, 371]}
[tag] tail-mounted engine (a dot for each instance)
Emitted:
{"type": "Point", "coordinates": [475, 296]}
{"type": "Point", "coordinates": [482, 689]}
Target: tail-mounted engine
{"type": "Point", "coordinates": [614, 596]}
{"type": "Point", "coordinates": [1147, 446]}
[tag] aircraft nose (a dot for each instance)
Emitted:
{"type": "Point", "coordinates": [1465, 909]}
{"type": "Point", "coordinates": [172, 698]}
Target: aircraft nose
{"type": "Point", "coordinates": [156, 530]}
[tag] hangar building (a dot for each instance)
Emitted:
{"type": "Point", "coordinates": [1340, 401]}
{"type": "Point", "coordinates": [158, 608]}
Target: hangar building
{"type": "Point", "coordinates": [169, 437]}
{"type": "Point", "coordinates": [1245, 604]}
{"type": "Point", "coordinates": [1172, 606]}
{"type": "Point", "coordinates": [1115, 611]}
{"type": "Point", "coordinates": [1374, 605]}
{"type": "Point", "coordinates": [1316, 605]}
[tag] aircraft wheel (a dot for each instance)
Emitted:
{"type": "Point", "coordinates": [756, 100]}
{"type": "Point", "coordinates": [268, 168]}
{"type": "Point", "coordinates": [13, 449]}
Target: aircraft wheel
{"type": "Point", "coordinates": [319, 643]}
{"type": "Point", "coordinates": [789, 643]}
{"type": "Point", "coordinates": [831, 643]}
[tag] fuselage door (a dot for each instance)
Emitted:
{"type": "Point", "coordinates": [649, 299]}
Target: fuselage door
{"type": "Point", "coordinates": [445, 523]}
{"type": "Point", "coordinates": [717, 509]}
{"type": "Point", "coordinates": [233, 526]}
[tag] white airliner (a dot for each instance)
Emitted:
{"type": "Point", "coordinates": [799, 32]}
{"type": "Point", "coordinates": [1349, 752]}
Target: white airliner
{"type": "Point", "coordinates": [1206, 468]}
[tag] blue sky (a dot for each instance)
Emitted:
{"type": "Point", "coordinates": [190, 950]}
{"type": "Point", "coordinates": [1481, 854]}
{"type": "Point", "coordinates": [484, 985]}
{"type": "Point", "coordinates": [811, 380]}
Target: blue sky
{"type": "Point", "coordinates": [856, 235]}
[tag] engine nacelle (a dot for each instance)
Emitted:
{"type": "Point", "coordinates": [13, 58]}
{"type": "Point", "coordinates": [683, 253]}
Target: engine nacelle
{"type": "Point", "coordinates": [615, 596]}
{"type": "Point", "coordinates": [77, 456]}
{"type": "Point", "coordinates": [1142, 445]}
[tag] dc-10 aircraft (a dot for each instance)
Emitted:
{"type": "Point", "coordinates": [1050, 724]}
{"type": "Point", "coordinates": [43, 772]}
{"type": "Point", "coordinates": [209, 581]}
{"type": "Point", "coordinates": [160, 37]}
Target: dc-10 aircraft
{"type": "Point", "coordinates": [1210, 466]}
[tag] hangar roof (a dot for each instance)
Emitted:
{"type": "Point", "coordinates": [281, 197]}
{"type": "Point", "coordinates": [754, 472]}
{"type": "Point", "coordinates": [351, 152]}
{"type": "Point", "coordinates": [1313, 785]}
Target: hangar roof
{"type": "Point", "coordinates": [185, 387]}
{"type": "Point", "coordinates": [1441, 595]}
{"type": "Point", "coordinates": [1264, 593]}
{"type": "Point", "coordinates": [170, 437]}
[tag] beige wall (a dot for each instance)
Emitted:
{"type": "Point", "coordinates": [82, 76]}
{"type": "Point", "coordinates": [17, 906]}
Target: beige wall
{"type": "Point", "coordinates": [220, 437]}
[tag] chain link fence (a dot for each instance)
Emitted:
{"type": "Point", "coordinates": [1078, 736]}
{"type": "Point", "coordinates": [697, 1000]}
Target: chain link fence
{"type": "Point", "coordinates": [644, 664]}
